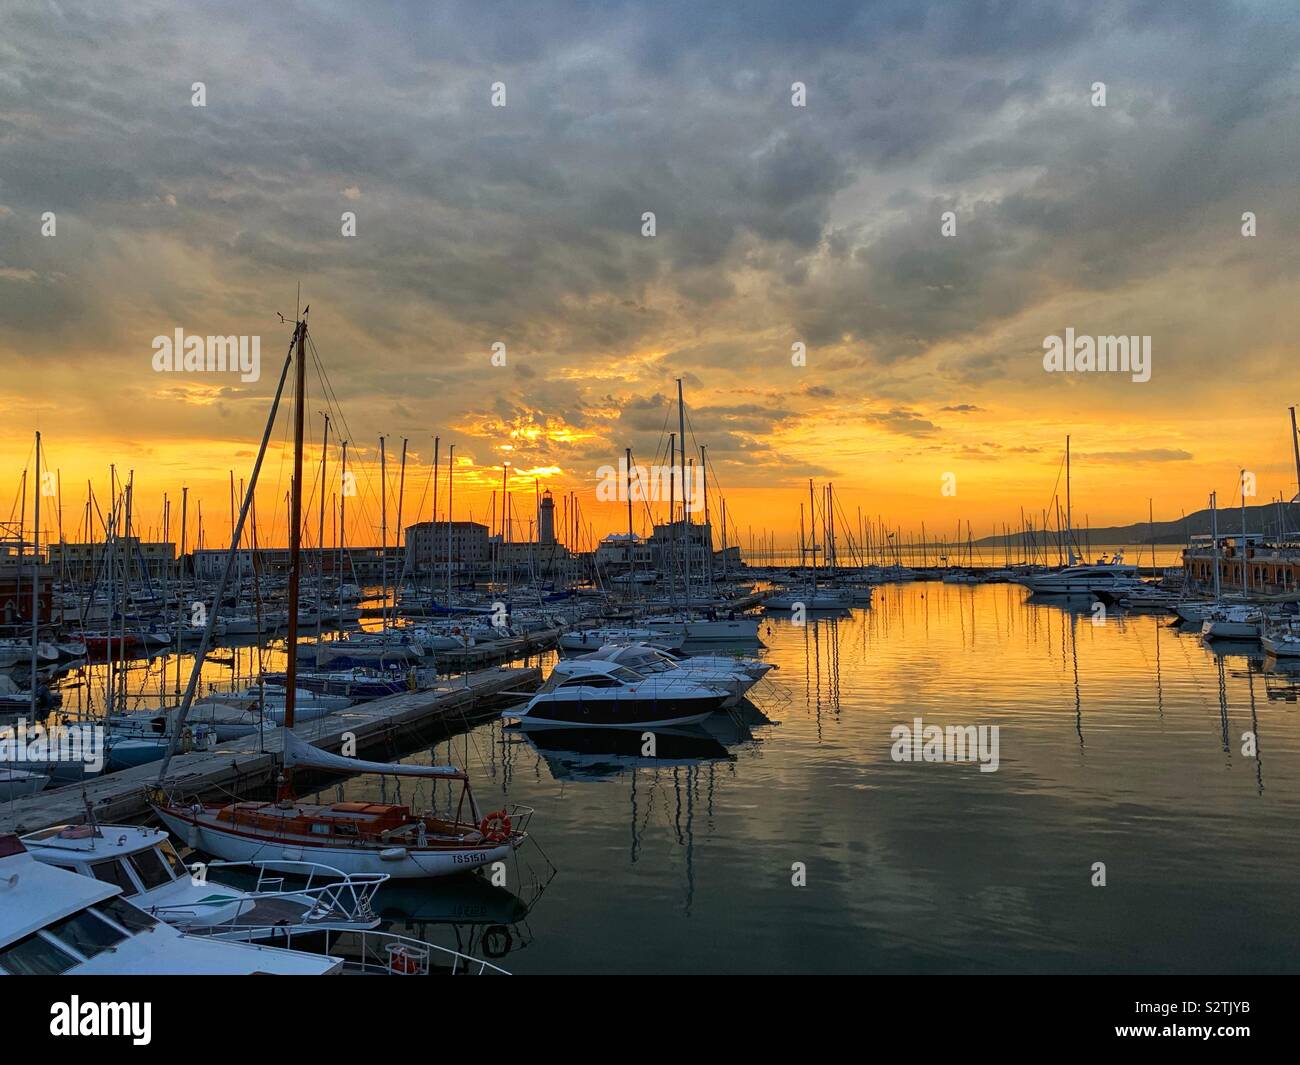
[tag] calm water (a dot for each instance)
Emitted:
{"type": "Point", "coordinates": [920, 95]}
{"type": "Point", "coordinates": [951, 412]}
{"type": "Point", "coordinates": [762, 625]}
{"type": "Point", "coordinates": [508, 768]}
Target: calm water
{"type": "Point", "coordinates": [1119, 743]}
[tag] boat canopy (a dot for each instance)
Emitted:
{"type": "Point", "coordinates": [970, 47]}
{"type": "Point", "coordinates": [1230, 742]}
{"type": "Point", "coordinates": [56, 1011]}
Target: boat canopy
{"type": "Point", "coordinates": [298, 752]}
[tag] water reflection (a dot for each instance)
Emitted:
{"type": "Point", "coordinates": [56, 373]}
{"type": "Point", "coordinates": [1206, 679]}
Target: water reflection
{"type": "Point", "coordinates": [1122, 740]}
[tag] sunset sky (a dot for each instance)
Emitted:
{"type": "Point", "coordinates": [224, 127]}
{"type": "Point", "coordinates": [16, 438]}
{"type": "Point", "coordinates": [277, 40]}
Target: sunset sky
{"type": "Point", "coordinates": [775, 225]}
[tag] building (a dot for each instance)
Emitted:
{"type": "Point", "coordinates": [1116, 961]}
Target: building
{"type": "Point", "coordinates": [356, 563]}
{"type": "Point", "coordinates": [427, 544]}
{"type": "Point", "coordinates": [84, 563]}
{"type": "Point", "coordinates": [16, 572]}
{"type": "Point", "coordinates": [1269, 568]}
{"type": "Point", "coordinates": [675, 544]}
{"type": "Point", "coordinates": [619, 552]}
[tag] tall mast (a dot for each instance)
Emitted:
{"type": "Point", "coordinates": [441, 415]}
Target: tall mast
{"type": "Point", "coordinates": [320, 538]}
{"type": "Point", "coordinates": [397, 540]}
{"type": "Point", "coordinates": [672, 520]}
{"type": "Point", "coordinates": [206, 640]}
{"type": "Point", "coordinates": [1245, 572]}
{"type": "Point", "coordinates": [686, 496]}
{"type": "Point", "coordinates": [704, 482]}
{"type": "Point", "coordinates": [433, 529]}
{"type": "Point", "coordinates": [343, 520]}
{"type": "Point", "coordinates": [628, 456]}
{"type": "Point", "coordinates": [383, 531]}
{"type": "Point", "coordinates": [1069, 543]}
{"type": "Point", "coordinates": [1295, 447]}
{"type": "Point", "coordinates": [180, 583]}
{"type": "Point", "coordinates": [451, 472]}
{"type": "Point", "coordinates": [36, 569]}
{"type": "Point", "coordinates": [1214, 536]}
{"type": "Point", "coordinates": [295, 532]}
{"type": "Point", "coordinates": [812, 532]}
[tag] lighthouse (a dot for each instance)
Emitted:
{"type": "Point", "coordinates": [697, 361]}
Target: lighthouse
{"type": "Point", "coordinates": [546, 519]}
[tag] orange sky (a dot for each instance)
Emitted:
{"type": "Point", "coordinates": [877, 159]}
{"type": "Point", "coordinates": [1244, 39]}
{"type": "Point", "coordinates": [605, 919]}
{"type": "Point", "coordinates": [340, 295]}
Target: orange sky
{"type": "Point", "coordinates": [947, 194]}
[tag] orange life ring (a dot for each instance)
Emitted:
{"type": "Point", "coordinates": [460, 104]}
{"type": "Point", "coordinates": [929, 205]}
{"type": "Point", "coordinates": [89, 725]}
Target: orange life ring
{"type": "Point", "coordinates": [496, 827]}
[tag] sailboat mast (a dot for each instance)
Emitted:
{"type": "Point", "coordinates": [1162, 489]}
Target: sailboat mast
{"type": "Point", "coordinates": [1245, 573]}
{"type": "Point", "coordinates": [383, 531]}
{"type": "Point", "coordinates": [1214, 536]}
{"type": "Point", "coordinates": [451, 473]}
{"type": "Point", "coordinates": [205, 641]}
{"type": "Point", "coordinates": [628, 455]}
{"type": "Point", "coordinates": [1069, 544]}
{"type": "Point", "coordinates": [36, 569]}
{"type": "Point", "coordinates": [295, 530]}
{"type": "Point", "coordinates": [1295, 447]}
{"type": "Point", "coordinates": [686, 496]}
{"type": "Point", "coordinates": [320, 537]}
{"type": "Point", "coordinates": [812, 532]}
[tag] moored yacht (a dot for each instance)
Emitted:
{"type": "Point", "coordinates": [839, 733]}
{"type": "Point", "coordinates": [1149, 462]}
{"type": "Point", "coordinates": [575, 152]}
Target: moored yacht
{"type": "Point", "coordinates": [607, 695]}
{"type": "Point", "coordinates": [145, 865]}
{"type": "Point", "coordinates": [1084, 579]}
{"type": "Point", "coordinates": [55, 922]}
{"type": "Point", "coordinates": [1232, 623]}
{"type": "Point", "coordinates": [354, 837]}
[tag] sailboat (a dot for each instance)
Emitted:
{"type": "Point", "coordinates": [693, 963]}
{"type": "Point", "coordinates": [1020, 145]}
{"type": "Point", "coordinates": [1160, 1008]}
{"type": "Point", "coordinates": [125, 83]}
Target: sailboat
{"type": "Point", "coordinates": [354, 837]}
{"type": "Point", "coordinates": [1079, 577]}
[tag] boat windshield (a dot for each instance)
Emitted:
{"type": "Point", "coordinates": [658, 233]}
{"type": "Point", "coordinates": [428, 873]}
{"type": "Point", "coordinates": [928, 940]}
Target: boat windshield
{"type": "Point", "coordinates": [151, 868]}
{"type": "Point", "coordinates": [86, 932]}
{"type": "Point", "coordinates": [34, 955]}
{"type": "Point", "coordinates": [114, 872]}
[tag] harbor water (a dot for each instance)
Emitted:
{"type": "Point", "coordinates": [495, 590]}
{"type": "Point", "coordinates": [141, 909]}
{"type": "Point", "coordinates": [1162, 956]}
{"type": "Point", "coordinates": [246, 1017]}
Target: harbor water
{"type": "Point", "coordinates": [1140, 818]}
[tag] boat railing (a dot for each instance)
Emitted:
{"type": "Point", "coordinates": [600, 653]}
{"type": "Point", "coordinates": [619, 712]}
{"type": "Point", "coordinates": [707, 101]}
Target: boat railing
{"type": "Point", "coordinates": [520, 816]}
{"type": "Point", "coordinates": [372, 953]}
{"type": "Point", "coordinates": [332, 894]}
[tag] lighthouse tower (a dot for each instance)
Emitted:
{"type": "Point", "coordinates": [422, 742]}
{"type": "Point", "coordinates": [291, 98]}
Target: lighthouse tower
{"type": "Point", "coordinates": [546, 519]}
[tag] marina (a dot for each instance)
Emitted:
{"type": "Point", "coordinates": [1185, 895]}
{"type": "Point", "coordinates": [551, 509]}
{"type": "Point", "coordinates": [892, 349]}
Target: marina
{"type": "Point", "coordinates": [648, 490]}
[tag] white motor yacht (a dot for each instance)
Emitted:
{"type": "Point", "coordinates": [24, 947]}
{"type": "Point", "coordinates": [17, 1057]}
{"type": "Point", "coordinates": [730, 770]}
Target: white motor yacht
{"type": "Point", "coordinates": [144, 864]}
{"type": "Point", "coordinates": [55, 922]}
{"type": "Point", "coordinates": [1084, 579]}
{"type": "Point", "coordinates": [607, 695]}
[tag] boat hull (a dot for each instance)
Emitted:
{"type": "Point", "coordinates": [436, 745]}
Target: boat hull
{"type": "Point", "coordinates": [411, 863]}
{"type": "Point", "coordinates": [618, 713]}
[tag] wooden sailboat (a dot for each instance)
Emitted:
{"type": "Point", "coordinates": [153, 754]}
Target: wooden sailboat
{"type": "Point", "coordinates": [354, 837]}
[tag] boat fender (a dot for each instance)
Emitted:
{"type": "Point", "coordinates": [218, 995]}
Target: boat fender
{"type": "Point", "coordinates": [293, 854]}
{"type": "Point", "coordinates": [393, 854]}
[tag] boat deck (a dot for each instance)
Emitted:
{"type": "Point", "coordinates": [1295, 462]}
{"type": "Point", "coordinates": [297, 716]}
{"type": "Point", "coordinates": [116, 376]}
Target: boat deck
{"type": "Point", "coordinates": [251, 761]}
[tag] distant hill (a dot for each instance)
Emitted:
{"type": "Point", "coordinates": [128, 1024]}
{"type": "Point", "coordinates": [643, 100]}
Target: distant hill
{"type": "Point", "coordinates": [1272, 519]}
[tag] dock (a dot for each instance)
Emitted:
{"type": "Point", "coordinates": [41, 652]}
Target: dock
{"type": "Point", "coordinates": [479, 655]}
{"type": "Point", "coordinates": [252, 761]}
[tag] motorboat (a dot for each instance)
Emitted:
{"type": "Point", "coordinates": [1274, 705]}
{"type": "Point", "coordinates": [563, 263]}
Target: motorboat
{"type": "Point", "coordinates": [1281, 642]}
{"type": "Point", "coordinates": [205, 899]}
{"type": "Point", "coordinates": [356, 684]}
{"type": "Point", "coordinates": [19, 783]}
{"type": "Point", "coordinates": [1233, 623]}
{"type": "Point", "coordinates": [607, 695]}
{"type": "Point", "coordinates": [355, 837]}
{"type": "Point", "coordinates": [55, 922]}
{"type": "Point", "coordinates": [648, 661]}
{"type": "Point", "coordinates": [592, 639]}
{"type": "Point", "coordinates": [1084, 579]}
{"type": "Point", "coordinates": [733, 630]}
{"type": "Point", "coordinates": [809, 598]}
